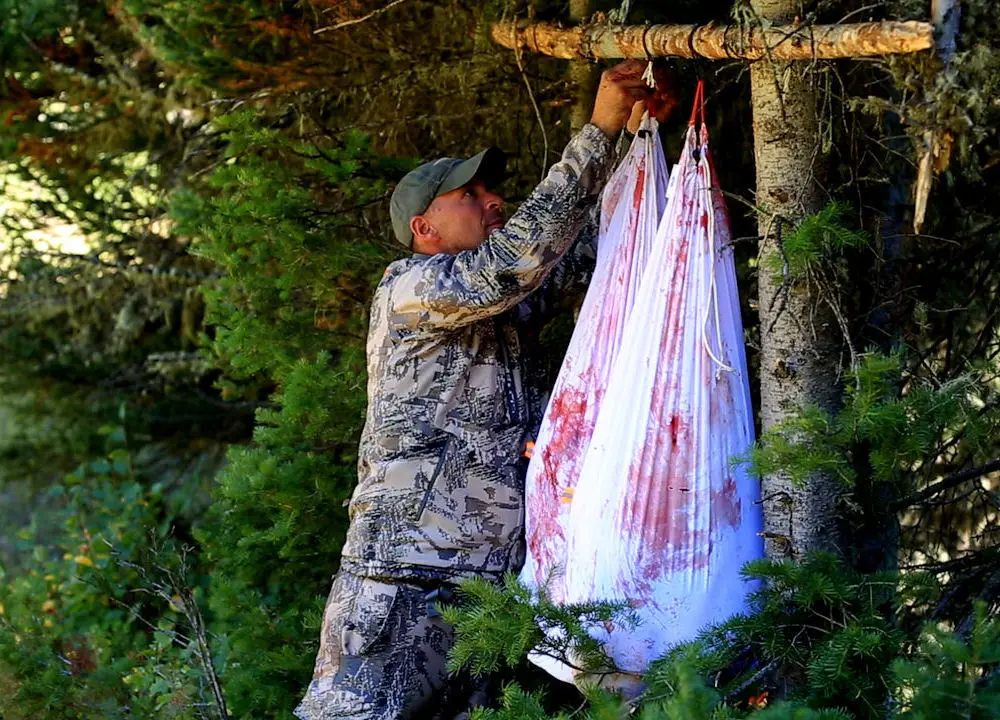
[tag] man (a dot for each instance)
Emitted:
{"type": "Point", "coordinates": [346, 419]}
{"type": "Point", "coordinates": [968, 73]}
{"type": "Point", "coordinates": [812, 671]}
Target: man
{"type": "Point", "coordinates": [451, 404]}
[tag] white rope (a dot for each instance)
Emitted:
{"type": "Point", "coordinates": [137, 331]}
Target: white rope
{"type": "Point", "coordinates": [713, 291]}
{"type": "Point", "coordinates": [647, 76]}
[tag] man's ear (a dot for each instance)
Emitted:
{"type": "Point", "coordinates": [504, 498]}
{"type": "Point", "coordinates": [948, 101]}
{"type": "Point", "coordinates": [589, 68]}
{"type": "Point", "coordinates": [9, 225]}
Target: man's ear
{"type": "Point", "coordinates": [424, 234]}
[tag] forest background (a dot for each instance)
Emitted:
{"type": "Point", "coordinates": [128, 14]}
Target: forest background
{"type": "Point", "coordinates": [194, 215]}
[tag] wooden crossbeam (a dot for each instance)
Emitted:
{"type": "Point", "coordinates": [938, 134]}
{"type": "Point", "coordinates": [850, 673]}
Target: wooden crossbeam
{"type": "Point", "coordinates": [718, 42]}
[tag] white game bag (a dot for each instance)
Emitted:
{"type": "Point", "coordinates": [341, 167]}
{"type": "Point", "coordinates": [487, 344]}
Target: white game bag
{"type": "Point", "coordinates": [650, 508]}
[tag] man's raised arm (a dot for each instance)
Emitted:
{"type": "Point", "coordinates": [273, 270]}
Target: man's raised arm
{"type": "Point", "coordinates": [449, 290]}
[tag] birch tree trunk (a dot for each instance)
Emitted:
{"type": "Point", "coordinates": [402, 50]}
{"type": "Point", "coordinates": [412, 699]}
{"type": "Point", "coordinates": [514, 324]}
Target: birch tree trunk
{"type": "Point", "coordinates": [799, 335]}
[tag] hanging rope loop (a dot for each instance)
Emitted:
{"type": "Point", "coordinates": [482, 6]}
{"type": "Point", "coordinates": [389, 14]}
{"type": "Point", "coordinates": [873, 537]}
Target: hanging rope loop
{"type": "Point", "coordinates": [699, 103]}
{"type": "Point", "coordinates": [711, 304]}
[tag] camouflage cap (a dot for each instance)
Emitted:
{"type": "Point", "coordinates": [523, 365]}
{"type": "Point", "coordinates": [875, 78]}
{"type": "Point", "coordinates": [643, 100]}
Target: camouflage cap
{"type": "Point", "coordinates": [419, 187]}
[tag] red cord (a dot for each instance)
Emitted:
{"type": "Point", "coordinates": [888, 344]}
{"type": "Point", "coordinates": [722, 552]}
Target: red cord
{"type": "Point", "coordinates": [699, 102]}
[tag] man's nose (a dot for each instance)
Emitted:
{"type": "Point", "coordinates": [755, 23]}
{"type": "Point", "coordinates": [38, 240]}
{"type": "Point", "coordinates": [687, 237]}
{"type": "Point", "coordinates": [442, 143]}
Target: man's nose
{"type": "Point", "coordinates": [493, 201]}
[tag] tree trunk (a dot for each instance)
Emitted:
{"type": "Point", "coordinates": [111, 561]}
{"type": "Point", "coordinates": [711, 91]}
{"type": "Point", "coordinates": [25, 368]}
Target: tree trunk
{"type": "Point", "coordinates": [582, 73]}
{"type": "Point", "coordinates": [718, 42]}
{"type": "Point", "coordinates": [799, 348]}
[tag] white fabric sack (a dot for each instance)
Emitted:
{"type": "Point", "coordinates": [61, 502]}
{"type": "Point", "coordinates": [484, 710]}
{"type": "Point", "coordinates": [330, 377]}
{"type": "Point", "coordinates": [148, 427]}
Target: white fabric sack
{"type": "Point", "coordinates": [631, 207]}
{"type": "Point", "coordinates": [658, 514]}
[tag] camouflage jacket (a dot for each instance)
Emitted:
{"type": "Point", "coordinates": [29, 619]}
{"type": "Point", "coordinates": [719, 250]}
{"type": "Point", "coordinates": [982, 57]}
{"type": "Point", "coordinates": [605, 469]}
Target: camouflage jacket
{"type": "Point", "coordinates": [451, 393]}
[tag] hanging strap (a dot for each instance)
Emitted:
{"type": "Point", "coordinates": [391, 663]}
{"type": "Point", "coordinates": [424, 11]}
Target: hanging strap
{"type": "Point", "coordinates": [699, 103]}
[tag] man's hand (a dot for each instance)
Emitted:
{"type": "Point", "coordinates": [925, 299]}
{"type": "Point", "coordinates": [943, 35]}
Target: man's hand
{"type": "Point", "coordinates": [621, 88]}
{"type": "Point", "coordinates": [660, 103]}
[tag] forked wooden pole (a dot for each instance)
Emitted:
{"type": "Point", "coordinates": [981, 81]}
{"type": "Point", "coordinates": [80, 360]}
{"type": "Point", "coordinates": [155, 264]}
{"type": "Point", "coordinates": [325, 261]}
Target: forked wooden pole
{"type": "Point", "coordinates": [718, 42]}
{"type": "Point", "coordinates": [937, 144]}
{"type": "Point", "coordinates": [799, 360]}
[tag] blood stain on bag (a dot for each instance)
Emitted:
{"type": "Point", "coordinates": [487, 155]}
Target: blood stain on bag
{"type": "Point", "coordinates": [640, 183]}
{"type": "Point", "coordinates": [726, 505]}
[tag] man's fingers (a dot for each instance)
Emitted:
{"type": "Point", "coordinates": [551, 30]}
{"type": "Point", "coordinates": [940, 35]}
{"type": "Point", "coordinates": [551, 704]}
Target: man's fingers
{"type": "Point", "coordinates": [631, 66]}
{"type": "Point", "coordinates": [637, 83]}
{"type": "Point", "coordinates": [632, 91]}
{"type": "Point", "coordinates": [625, 71]}
{"type": "Point", "coordinates": [621, 87]}
{"type": "Point", "coordinates": [628, 81]}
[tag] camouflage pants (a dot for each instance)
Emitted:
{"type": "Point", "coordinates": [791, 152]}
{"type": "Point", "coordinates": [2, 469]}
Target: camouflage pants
{"type": "Point", "coordinates": [383, 652]}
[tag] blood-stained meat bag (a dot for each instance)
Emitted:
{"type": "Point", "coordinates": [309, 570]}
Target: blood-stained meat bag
{"type": "Point", "coordinates": [630, 211]}
{"type": "Point", "coordinates": [633, 492]}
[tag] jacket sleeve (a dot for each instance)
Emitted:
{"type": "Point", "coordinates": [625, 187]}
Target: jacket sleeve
{"type": "Point", "coordinates": [572, 275]}
{"type": "Point", "coordinates": [447, 291]}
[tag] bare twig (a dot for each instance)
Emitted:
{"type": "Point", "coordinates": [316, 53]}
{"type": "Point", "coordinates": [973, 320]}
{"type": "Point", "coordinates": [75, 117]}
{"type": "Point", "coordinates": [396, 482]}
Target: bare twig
{"type": "Point", "coordinates": [355, 21]}
{"type": "Point", "coordinates": [786, 283]}
{"type": "Point", "coordinates": [534, 104]}
{"type": "Point", "coordinates": [769, 667]}
{"type": "Point", "coordinates": [828, 293]}
{"type": "Point", "coordinates": [175, 590]}
{"type": "Point", "coordinates": [971, 560]}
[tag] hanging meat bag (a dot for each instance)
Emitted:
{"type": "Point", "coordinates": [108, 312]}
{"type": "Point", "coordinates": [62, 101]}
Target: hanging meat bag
{"type": "Point", "coordinates": [631, 207]}
{"type": "Point", "coordinates": [662, 516]}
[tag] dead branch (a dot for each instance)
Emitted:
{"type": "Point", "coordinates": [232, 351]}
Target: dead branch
{"type": "Point", "coordinates": [355, 21]}
{"type": "Point", "coordinates": [946, 484]}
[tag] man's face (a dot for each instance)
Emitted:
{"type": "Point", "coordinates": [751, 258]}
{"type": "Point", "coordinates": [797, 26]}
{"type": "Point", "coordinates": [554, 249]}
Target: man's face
{"type": "Point", "coordinates": [464, 217]}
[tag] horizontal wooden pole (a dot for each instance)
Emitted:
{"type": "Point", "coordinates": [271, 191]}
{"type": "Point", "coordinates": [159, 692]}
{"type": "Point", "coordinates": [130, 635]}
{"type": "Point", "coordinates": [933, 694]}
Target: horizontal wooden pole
{"type": "Point", "coordinates": [718, 42]}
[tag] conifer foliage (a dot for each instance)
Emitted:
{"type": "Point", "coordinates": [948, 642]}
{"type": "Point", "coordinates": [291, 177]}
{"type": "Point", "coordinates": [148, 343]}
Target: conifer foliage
{"type": "Point", "coordinates": [225, 168]}
{"type": "Point", "coordinates": [849, 645]}
{"type": "Point", "coordinates": [289, 319]}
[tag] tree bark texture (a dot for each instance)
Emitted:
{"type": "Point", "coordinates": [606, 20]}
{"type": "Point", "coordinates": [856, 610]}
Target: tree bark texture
{"type": "Point", "coordinates": [582, 73]}
{"type": "Point", "coordinates": [799, 335]}
{"type": "Point", "coordinates": [718, 42]}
